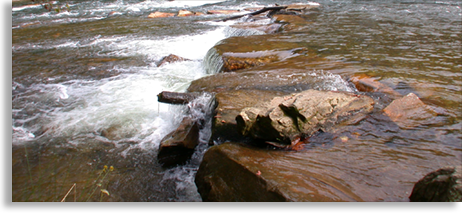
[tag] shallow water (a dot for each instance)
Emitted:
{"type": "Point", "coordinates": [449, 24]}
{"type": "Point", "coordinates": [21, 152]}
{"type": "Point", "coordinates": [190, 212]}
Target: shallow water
{"type": "Point", "coordinates": [78, 74]}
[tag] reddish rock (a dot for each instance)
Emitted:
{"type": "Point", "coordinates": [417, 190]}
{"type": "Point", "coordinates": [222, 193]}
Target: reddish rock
{"type": "Point", "coordinates": [182, 13]}
{"type": "Point", "coordinates": [409, 111]}
{"type": "Point", "coordinates": [160, 15]}
{"type": "Point", "coordinates": [366, 83]}
{"type": "Point", "coordinates": [222, 11]}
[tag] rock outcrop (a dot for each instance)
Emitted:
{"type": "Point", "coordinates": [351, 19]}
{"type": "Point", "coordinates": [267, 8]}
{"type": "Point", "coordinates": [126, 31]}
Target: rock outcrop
{"type": "Point", "coordinates": [257, 83]}
{"type": "Point", "coordinates": [443, 185]}
{"type": "Point", "coordinates": [300, 115]}
{"type": "Point", "coordinates": [235, 91]}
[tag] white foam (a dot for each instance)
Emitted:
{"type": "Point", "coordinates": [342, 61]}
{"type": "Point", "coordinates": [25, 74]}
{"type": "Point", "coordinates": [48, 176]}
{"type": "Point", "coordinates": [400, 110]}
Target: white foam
{"type": "Point", "coordinates": [127, 102]}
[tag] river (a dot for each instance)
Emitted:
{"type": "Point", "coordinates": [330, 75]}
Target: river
{"type": "Point", "coordinates": [85, 81]}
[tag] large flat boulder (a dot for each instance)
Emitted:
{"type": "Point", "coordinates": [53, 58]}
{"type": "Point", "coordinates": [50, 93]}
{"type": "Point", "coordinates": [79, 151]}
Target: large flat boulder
{"type": "Point", "coordinates": [237, 53]}
{"type": "Point", "coordinates": [235, 91]}
{"type": "Point", "coordinates": [235, 172]}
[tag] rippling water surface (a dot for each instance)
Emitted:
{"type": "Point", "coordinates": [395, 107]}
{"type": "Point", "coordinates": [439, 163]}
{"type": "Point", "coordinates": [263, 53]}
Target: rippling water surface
{"type": "Point", "coordinates": [85, 83]}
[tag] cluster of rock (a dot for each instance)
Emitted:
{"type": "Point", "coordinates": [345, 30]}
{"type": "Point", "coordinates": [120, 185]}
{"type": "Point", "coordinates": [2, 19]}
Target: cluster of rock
{"type": "Point", "coordinates": [285, 120]}
{"type": "Point", "coordinates": [293, 9]}
{"type": "Point", "coordinates": [264, 95]}
{"type": "Point", "coordinates": [184, 13]}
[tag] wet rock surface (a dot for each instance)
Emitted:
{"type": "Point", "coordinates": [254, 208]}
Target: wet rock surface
{"type": "Point", "coordinates": [171, 59]}
{"type": "Point", "coordinates": [236, 172]}
{"type": "Point", "coordinates": [177, 147]}
{"type": "Point", "coordinates": [443, 185]}
{"type": "Point", "coordinates": [409, 111]}
{"type": "Point", "coordinates": [237, 53]}
{"type": "Point", "coordinates": [260, 87]}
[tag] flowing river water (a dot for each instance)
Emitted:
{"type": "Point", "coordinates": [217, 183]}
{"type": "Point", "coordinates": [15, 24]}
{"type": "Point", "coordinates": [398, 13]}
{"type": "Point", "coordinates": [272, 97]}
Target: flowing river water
{"type": "Point", "coordinates": [85, 82]}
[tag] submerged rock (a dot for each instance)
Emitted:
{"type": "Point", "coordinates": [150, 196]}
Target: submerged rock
{"type": "Point", "coordinates": [286, 118]}
{"type": "Point", "coordinates": [366, 83]}
{"type": "Point", "coordinates": [443, 185]}
{"type": "Point", "coordinates": [291, 22]}
{"type": "Point", "coordinates": [409, 111]}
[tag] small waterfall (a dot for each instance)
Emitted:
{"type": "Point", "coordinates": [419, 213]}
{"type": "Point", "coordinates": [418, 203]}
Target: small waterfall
{"type": "Point", "coordinates": [236, 31]}
{"type": "Point", "coordinates": [213, 62]}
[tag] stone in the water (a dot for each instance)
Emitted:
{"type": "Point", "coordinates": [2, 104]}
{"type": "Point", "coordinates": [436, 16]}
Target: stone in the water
{"type": "Point", "coordinates": [222, 11]}
{"type": "Point", "coordinates": [177, 147]}
{"type": "Point", "coordinates": [369, 84]}
{"type": "Point", "coordinates": [443, 185]}
{"type": "Point", "coordinates": [170, 59]}
{"type": "Point", "coordinates": [409, 111]}
{"type": "Point", "coordinates": [185, 13]}
{"type": "Point", "coordinates": [158, 14]}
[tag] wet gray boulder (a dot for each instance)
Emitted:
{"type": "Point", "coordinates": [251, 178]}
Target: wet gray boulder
{"type": "Point", "coordinates": [286, 118]}
{"type": "Point", "coordinates": [443, 185]}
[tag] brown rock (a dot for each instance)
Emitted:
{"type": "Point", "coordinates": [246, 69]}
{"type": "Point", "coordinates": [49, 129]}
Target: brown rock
{"type": "Point", "coordinates": [293, 19]}
{"type": "Point", "coordinates": [170, 59]}
{"type": "Point", "coordinates": [229, 104]}
{"type": "Point", "coordinates": [235, 53]}
{"type": "Point", "coordinates": [182, 13]}
{"type": "Point", "coordinates": [292, 23]}
{"type": "Point", "coordinates": [234, 172]}
{"type": "Point", "coordinates": [409, 111]}
{"type": "Point", "coordinates": [176, 97]}
{"type": "Point", "coordinates": [177, 147]}
{"type": "Point", "coordinates": [443, 185]}
{"type": "Point", "coordinates": [302, 114]}
{"type": "Point", "coordinates": [158, 14]}
{"type": "Point", "coordinates": [366, 83]}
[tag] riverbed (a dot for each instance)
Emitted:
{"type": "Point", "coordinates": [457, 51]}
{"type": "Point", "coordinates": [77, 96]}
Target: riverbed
{"type": "Point", "coordinates": [85, 81]}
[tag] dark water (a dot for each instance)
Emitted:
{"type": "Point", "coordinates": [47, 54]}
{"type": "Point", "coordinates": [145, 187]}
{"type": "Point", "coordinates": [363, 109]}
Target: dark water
{"type": "Point", "coordinates": [82, 73]}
